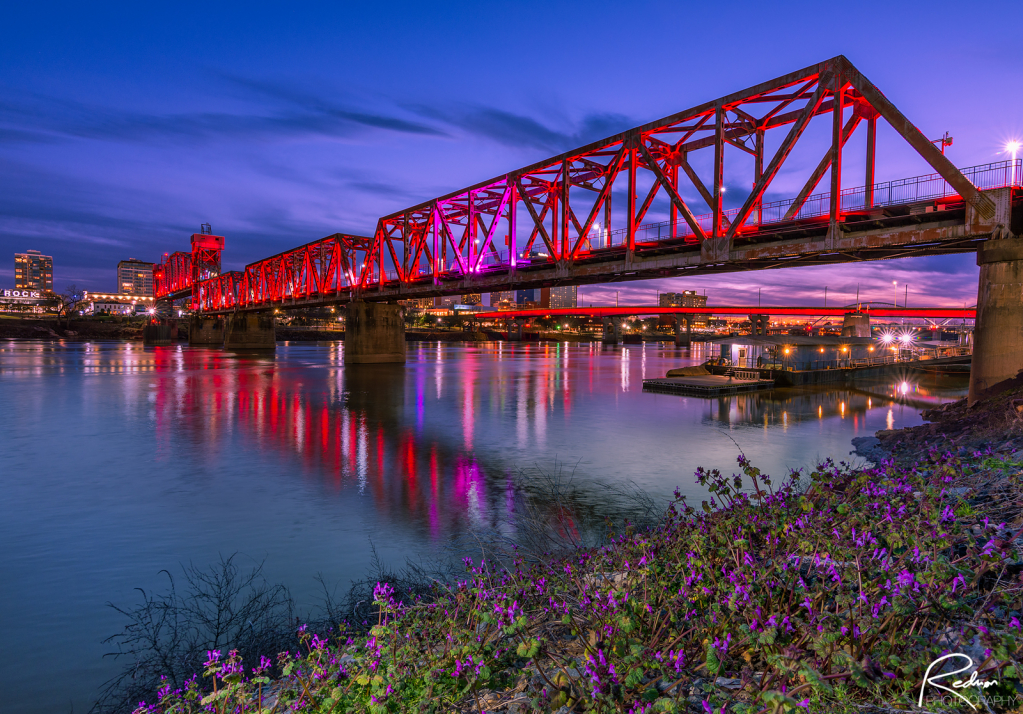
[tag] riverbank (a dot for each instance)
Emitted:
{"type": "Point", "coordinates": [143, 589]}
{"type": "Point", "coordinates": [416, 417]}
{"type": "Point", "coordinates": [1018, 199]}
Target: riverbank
{"type": "Point", "coordinates": [830, 591]}
{"type": "Point", "coordinates": [25, 329]}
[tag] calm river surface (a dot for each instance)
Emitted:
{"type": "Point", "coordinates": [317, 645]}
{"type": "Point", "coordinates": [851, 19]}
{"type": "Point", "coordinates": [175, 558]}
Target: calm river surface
{"type": "Point", "coordinates": [117, 461]}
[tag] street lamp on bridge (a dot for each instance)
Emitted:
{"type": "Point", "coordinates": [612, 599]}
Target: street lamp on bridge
{"type": "Point", "coordinates": [1012, 147]}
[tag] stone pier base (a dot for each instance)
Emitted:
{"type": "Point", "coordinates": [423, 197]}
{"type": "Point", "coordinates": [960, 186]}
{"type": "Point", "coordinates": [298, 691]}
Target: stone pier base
{"type": "Point", "coordinates": [374, 333]}
{"type": "Point", "coordinates": [998, 335]}
{"type": "Point", "coordinates": [250, 331]}
{"type": "Point", "coordinates": [206, 331]}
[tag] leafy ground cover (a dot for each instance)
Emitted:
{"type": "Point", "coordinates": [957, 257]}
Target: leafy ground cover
{"type": "Point", "coordinates": [830, 591]}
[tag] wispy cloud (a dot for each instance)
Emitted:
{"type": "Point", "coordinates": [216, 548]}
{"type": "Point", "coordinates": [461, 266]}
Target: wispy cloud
{"type": "Point", "coordinates": [522, 131]}
{"type": "Point", "coordinates": [26, 117]}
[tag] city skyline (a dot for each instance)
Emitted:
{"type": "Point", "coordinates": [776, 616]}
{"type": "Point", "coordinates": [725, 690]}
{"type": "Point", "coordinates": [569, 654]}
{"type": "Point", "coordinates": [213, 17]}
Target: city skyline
{"type": "Point", "coordinates": [280, 152]}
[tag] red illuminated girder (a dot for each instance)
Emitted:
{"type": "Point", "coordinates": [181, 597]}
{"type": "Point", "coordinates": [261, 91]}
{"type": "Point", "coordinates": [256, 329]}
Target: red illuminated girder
{"type": "Point", "coordinates": [219, 293]}
{"type": "Point", "coordinates": [179, 272]}
{"type": "Point", "coordinates": [206, 250]}
{"type": "Point", "coordinates": [626, 310]}
{"type": "Point", "coordinates": [338, 265]}
{"type": "Point", "coordinates": [559, 210]}
{"type": "Point", "coordinates": [558, 214]}
{"type": "Point", "coordinates": [173, 275]}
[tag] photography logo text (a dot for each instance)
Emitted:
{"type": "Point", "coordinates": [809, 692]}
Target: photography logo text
{"type": "Point", "coordinates": [970, 690]}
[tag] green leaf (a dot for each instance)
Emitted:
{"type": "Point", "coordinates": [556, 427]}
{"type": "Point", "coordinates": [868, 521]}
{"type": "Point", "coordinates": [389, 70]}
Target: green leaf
{"type": "Point", "coordinates": [768, 636]}
{"type": "Point", "coordinates": [635, 677]}
{"type": "Point", "coordinates": [713, 663]}
{"type": "Point", "coordinates": [860, 678]}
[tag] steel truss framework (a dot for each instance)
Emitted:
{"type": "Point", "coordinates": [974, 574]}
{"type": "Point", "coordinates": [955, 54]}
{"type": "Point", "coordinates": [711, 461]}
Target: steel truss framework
{"type": "Point", "coordinates": [558, 213]}
{"type": "Point", "coordinates": [179, 272]}
{"type": "Point", "coordinates": [173, 275]}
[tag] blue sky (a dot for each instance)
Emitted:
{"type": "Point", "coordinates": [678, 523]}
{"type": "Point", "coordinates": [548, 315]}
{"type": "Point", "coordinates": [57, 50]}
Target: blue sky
{"type": "Point", "coordinates": [125, 126]}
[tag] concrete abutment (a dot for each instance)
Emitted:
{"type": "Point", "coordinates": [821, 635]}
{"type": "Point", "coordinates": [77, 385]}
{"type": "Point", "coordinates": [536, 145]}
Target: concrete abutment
{"type": "Point", "coordinates": [374, 333]}
{"type": "Point", "coordinates": [998, 335]}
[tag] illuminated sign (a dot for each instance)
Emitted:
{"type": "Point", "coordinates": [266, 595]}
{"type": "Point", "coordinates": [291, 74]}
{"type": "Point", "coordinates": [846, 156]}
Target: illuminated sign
{"type": "Point", "coordinates": [30, 294]}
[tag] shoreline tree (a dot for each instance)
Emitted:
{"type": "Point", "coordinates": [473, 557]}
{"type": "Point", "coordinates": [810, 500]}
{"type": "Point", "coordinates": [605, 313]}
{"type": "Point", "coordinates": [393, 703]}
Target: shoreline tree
{"type": "Point", "coordinates": [66, 303]}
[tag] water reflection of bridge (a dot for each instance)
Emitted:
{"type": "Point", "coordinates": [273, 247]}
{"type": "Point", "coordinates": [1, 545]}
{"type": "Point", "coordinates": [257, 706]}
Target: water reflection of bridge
{"type": "Point", "coordinates": [366, 428]}
{"type": "Point", "coordinates": [377, 430]}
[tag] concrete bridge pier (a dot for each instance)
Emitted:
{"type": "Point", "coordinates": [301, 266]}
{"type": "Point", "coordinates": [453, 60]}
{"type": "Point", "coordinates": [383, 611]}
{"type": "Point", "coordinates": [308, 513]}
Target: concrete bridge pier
{"type": "Point", "coordinates": [250, 331]}
{"type": "Point", "coordinates": [612, 331]}
{"type": "Point", "coordinates": [998, 335]}
{"type": "Point", "coordinates": [374, 333]}
{"type": "Point", "coordinates": [515, 329]}
{"type": "Point", "coordinates": [683, 340]}
{"type": "Point", "coordinates": [759, 323]}
{"type": "Point", "coordinates": [206, 330]}
{"type": "Point", "coordinates": [160, 332]}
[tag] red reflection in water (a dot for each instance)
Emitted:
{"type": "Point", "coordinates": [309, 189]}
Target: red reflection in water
{"type": "Point", "coordinates": [354, 439]}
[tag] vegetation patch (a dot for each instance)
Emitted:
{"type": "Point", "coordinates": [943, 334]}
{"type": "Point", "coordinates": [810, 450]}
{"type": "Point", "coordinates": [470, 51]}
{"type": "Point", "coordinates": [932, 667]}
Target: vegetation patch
{"type": "Point", "coordinates": [834, 591]}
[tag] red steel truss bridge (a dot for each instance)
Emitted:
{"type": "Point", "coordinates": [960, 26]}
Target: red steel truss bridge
{"type": "Point", "coordinates": [583, 217]}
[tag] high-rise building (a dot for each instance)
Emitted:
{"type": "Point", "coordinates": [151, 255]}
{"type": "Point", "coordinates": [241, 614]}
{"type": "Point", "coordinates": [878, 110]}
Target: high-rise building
{"type": "Point", "coordinates": [564, 296]}
{"type": "Point", "coordinates": [686, 298]}
{"type": "Point", "coordinates": [506, 297]}
{"type": "Point", "coordinates": [472, 299]}
{"type": "Point", "coordinates": [135, 277]}
{"type": "Point", "coordinates": [537, 297]}
{"type": "Point", "coordinates": [33, 271]}
{"type": "Point", "coordinates": [523, 297]}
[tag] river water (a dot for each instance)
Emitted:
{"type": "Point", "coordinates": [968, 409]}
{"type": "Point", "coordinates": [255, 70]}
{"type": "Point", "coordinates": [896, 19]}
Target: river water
{"type": "Point", "coordinates": [117, 461]}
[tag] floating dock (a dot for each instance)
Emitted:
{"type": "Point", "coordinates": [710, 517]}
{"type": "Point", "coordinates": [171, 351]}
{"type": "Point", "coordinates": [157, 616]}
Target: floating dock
{"type": "Point", "coordinates": [706, 385]}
